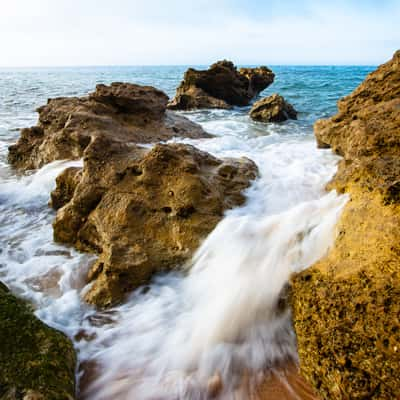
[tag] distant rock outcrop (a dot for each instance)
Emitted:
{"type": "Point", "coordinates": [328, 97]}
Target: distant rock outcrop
{"type": "Point", "coordinates": [346, 307]}
{"type": "Point", "coordinates": [272, 109]}
{"type": "Point", "coordinates": [221, 86]}
{"type": "Point", "coordinates": [143, 211]}
{"type": "Point", "coordinates": [36, 361]}
{"type": "Point", "coordinates": [123, 111]}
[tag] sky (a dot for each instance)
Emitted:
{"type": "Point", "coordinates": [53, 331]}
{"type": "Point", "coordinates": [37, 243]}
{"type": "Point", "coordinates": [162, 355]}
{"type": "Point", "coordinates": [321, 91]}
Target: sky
{"type": "Point", "coordinates": [177, 32]}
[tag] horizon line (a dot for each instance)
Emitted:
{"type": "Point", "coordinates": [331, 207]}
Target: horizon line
{"type": "Point", "coordinates": [180, 65]}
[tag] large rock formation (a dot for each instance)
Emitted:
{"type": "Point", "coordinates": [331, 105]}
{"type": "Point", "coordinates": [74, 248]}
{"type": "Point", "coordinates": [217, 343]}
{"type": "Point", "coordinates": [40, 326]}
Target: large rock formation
{"type": "Point", "coordinates": [143, 210]}
{"type": "Point", "coordinates": [272, 109]}
{"type": "Point", "coordinates": [346, 307]}
{"type": "Point", "coordinates": [123, 111]}
{"type": "Point", "coordinates": [36, 361]}
{"type": "Point", "coordinates": [221, 86]}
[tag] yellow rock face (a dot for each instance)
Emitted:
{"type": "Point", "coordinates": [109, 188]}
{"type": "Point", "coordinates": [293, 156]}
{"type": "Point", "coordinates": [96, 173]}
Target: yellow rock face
{"type": "Point", "coordinates": [346, 307]}
{"type": "Point", "coordinates": [143, 210]}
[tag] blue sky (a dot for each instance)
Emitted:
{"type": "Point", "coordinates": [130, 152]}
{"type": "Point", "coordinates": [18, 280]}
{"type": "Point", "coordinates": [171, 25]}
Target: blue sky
{"type": "Point", "coordinates": [156, 32]}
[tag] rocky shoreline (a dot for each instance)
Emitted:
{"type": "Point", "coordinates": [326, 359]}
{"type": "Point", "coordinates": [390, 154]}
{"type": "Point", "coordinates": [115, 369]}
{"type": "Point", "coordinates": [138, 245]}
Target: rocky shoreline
{"type": "Point", "coordinates": [145, 210]}
{"type": "Point", "coordinates": [178, 192]}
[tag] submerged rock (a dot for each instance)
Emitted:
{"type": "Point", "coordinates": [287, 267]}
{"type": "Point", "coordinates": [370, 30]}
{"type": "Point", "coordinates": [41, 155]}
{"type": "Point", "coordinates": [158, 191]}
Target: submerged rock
{"type": "Point", "coordinates": [221, 86]}
{"type": "Point", "coordinates": [36, 361]}
{"type": "Point", "coordinates": [123, 111]}
{"type": "Point", "coordinates": [272, 109]}
{"type": "Point", "coordinates": [142, 210]}
{"type": "Point", "coordinates": [346, 307]}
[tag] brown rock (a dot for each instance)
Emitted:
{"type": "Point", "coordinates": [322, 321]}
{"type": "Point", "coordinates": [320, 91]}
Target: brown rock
{"type": "Point", "coordinates": [259, 79]}
{"type": "Point", "coordinates": [221, 86]}
{"type": "Point", "coordinates": [346, 307]}
{"type": "Point", "coordinates": [144, 210]}
{"type": "Point", "coordinates": [126, 112]}
{"type": "Point", "coordinates": [368, 119]}
{"type": "Point", "coordinates": [214, 386]}
{"type": "Point", "coordinates": [272, 109]}
{"type": "Point", "coordinates": [66, 183]}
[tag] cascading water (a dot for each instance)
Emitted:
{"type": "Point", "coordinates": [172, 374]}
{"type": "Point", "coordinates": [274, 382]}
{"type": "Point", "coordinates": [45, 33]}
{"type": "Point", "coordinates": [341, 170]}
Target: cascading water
{"type": "Point", "coordinates": [224, 318]}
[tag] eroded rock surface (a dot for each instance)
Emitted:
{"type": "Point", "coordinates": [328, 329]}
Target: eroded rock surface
{"type": "Point", "coordinates": [272, 109]}
{"type": "Point", "coordinates": [346, 307]}
{"type": "Point", "coordinates": [123, 111]}
{"type": "Point", "coordinates": [36, 361]}
{"type": "Point", "coordinates": [143, 210]}
{"type": "Point", "coordinates": [221, 86]}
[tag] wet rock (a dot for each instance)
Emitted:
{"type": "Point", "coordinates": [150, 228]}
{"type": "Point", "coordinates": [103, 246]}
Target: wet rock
{"type": "Point", "coordinates": [221, 86]}
{"type": "Point", "coordinates": [345, 307]}
{"type": "Point", "coordinates": [272, 109]}
{"type": "Point", "coordinates": [123, 111]}
{"type": "Point", "coordinates": [36, 361]}
{"type": "Point", "coordinates": [146, 211]}
{"type": "Point", "coordinates": [66, 183]}
{"type": "Point", "coordinates": [214, 386]}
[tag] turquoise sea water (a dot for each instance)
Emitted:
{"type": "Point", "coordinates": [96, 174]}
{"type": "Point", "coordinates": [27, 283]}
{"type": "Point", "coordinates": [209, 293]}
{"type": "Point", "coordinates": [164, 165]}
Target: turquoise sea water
{"type": "Point", "coordinates": [171, 341]}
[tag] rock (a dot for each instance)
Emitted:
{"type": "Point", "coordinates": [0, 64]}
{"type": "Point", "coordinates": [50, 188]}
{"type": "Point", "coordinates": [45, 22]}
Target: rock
{"type": "Point", "coordinates": [368, 119]}
{"type": "Point", "coordinates": [221, 86]}
{"type": "Point", "coordinates": [144, 211]}
{"type": "Point", "coordinates": [215, 386]}
{"type": "Point", "coordinates": [123, 111]}
{"type": "Point", "coordinates": [272, 109]}
{"type": "Point", "coordinates": [66, 183]}
{"type": "Point", "coordinates": [36, 361]}
{"type": "Point", "coordinates": [346, 307]}
{"type": "Point", "coordinates": [259, 79]}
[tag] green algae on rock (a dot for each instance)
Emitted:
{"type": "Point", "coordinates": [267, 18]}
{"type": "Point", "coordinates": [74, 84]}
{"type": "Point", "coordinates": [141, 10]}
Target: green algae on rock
{"type": "Point", "coordinates": [36, 361]}
{"type": "Point", "coordinates": [346, 307]}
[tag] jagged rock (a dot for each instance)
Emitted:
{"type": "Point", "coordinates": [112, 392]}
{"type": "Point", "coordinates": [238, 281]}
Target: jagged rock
{"type": "Point", "coordinates": [367, 123]}
{"type": "Point", "coordinates": [36, 361]}
{"type": "Point", "coordinates": [144, 210]}
{"type": "Point", "coordinates": [272, 109]}
{"type": "Point", "coordinates": [66, 183]}
{"type": "Point", "coordinates": [221, 86]}
{"type": "Point", "coordinates": [346, 307]}
{"type": "Point", "coordinates": [123, 111]}
{"type": "Point", "coordinates": [259, 79]}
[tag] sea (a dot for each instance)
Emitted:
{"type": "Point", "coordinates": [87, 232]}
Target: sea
{"type": "Point", "coordinates": [216, 320]}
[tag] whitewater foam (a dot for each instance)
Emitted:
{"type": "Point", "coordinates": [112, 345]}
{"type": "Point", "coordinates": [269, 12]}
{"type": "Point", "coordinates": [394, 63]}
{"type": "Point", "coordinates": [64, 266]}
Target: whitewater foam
{"type": "Point", "coordinates": [223, 319]}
